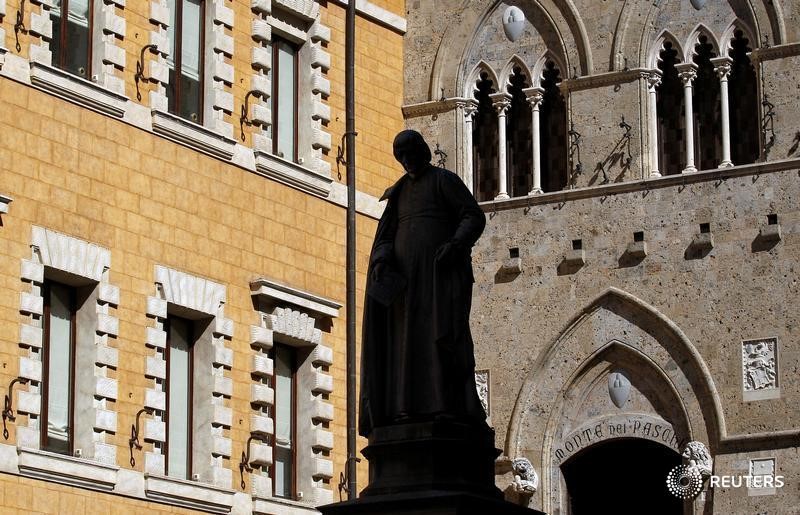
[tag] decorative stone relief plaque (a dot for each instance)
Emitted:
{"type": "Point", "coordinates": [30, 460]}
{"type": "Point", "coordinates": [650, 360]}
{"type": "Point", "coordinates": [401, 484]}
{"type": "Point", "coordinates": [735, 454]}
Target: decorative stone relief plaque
{"type": "Point", "coordinates": [760, 369]}
{"type": "Point", "coordinates": [482, 383]}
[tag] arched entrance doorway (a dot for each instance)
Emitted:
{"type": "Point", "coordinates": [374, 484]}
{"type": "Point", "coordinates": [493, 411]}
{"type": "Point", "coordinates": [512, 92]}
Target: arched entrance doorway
{"type": "Point", "coordinates": [622, 476]}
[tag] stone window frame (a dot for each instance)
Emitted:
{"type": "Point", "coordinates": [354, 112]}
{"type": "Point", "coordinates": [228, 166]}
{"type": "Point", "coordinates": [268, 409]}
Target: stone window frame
{"type": "Point", "coordinates": [215, 135]}
{"type": "Point", "coordinates": [467, 108]}
{"type": "Point", "coordinates": [183, 293]}
{"type": "Point", "coordinates": [62, 256]}
{"type": "Point", "coordinates": [299, 22]}
{"type": "Point", "coordinates": [295, 318]}
{"type": "Point", "coordinates": [105, 91]}
{"type": "Point", "coordinates": [687, 71]}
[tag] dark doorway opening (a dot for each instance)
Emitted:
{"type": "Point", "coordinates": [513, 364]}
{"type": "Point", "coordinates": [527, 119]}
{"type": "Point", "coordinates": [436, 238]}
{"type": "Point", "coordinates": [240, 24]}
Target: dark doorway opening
{"type": "Point", "coordinates": [624, 477]}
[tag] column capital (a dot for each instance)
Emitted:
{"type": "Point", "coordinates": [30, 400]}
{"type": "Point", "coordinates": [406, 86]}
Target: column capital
{"type": "Point", "coordinates": [534, 96]}
{"type": "Point", "coordinates": [687, 72]}
{"type": "Point", "coordinates": [469, 106]}
{"type": "Point", "coordinates": [653, 78]}
{"type": "Point", "coordinates": [501, 102]}
{"type": "Point", "coordinates": [722, 66]}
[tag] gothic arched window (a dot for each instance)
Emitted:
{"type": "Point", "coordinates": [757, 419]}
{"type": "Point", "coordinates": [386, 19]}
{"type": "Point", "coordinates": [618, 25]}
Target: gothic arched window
{"type": "Point", "coordinates": [519, 135]}
{"type": "Point", "coordinates": [670, 114]}
{"type": "Point", "coordinates": [706, 103]}
{"type": "Point", "coordinates": [553, 135]}
{"type": "Point", "coordinates": [743, 102]}
{"type": "Point", "coordinates": [484, 142]}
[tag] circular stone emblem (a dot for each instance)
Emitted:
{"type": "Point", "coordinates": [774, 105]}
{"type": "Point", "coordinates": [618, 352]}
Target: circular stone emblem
{"type": "Point", "coordinates": [684, 482]}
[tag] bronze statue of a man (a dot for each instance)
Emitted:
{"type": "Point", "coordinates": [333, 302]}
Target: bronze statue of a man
{"type": "Point", "coordinates": [417, 361]}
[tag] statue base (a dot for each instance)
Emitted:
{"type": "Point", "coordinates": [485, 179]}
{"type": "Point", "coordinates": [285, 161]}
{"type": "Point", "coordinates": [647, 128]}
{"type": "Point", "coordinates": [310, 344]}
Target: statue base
{"type": "Point", "coordinates": [430, 468]}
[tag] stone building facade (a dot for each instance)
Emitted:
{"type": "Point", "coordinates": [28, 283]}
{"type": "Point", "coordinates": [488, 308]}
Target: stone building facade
{"type": "Point", "coordinates": [172, 248]}
{"type": "Point", "coordinates": [636, 286]}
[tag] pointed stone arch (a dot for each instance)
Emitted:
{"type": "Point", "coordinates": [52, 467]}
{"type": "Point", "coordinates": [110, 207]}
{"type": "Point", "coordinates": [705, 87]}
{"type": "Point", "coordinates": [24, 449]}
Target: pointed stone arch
{"type": "Point", "coordinates": [541, 63]}
{"type": "Point", "coordinates": [654, 53]}
{"type": "Point", "coordinates": [508, 70]}
{"type": "Point", "coordinates": [728, 35]}
{"type": "Point", "coordinates": [449, 69]}
{"type": "Point", "coordinates": [475, 75]}
{"type": "Point", "coordinates": [697, 32]}
{"type": "Point", "coordinates": [619, 325]}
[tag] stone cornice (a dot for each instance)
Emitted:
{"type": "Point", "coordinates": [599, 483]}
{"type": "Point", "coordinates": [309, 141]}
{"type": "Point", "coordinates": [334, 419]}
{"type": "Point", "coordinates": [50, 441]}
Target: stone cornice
{"type": "Point", "coordinates": [641, 185]}
{"type": "Point", "coordinates": [775, 52]}
{"type": "Point", "coordinates": [319, 306]}
{"type": "Point", "coordinates": [604, 79]}
{"type": "Point", "coordinates": [378, 14]}
{"type": "Point", "coordinates": [434, 107]}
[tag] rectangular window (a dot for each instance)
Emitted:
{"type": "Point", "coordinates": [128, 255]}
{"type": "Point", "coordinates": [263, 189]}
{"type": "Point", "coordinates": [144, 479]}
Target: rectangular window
{"type": "Point", "coordinates": [179, 397]}
{"type": "Point", "coordinates": [284, 99]}
{"type": "Point", "coordinates": [72, 35]}
{"type": "Point", "coordinates": [58, 356]}
{"type": "Point", "coordinates": [185, 60]}
{"type": "Point", "coordinates": [283, 477]}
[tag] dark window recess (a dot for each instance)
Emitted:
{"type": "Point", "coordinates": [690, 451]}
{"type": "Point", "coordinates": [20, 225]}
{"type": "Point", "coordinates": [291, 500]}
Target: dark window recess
{"type": "Point", "coordinates": [513, 252]}
{"type": "Point", "coordinates": [519, 134]}
{"type": "Point", "coordinates": [577, 244]}
{"type": "Point", "coordinates": [705, 228]}
{"type": "Point", "coordinates": [553, 133]}
{"type": "Point", "coordinates": [71, 45]}
{"type": "Point", "coordinates": [670, 114]}
{"type": "Point", "coordinates": [185, 60]}
{"type": "Point", "coordinates": [484, 142]}
{"type": "Point", "coordinates": [638, 236]}
{"type": "Point", "coordinates": [707, 108]}
{"type": "Point", "coordinates": [743, 98]}
{"type": "Point", "coordinates": [772, 219]}
{"type": "Point", "coordinates": [283, 102]}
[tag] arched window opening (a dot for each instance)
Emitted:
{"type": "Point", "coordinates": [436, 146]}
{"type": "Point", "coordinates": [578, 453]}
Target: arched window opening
{"type": "Point", "coordinates": [553, 135]}
{"type": "Point", "coordinates": [706, 103]}
{"type": "Point", "coordinates": [484, 142]}
{"type": "Point", "coordinates": [743, 102]}
{"type": "Point", "coordinates": [669, 109]}
{"type": "Point", "coordinates": [519, 135]}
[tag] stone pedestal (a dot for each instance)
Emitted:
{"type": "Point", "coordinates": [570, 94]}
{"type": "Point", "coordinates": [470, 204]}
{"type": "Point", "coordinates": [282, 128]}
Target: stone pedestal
{"type": "Point", "coordinates": [430, 468]}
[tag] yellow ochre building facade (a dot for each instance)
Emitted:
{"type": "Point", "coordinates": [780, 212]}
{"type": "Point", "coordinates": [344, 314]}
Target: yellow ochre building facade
{"type": "Point", "coordinates": [172, 219]}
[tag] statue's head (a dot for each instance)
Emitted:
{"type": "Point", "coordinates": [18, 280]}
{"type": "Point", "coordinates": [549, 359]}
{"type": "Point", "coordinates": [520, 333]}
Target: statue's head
{"type": "Point", "coordinates": [411, 151]}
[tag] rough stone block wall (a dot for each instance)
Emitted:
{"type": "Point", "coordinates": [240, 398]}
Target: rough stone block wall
{"type": "Point", "coordinates": [740, 290]}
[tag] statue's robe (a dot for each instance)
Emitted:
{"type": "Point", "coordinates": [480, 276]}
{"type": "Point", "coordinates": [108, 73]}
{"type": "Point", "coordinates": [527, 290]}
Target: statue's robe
{"type": "Point", "coordinates": [417, 353]}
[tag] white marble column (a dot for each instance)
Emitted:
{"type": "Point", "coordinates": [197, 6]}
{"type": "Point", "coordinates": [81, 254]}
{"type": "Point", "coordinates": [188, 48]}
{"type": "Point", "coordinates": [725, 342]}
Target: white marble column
{"type": "Point", "coordinates": [501, 103]}
{"type": "Point", "coordinates": [653, 81]}
{"type": "Point", "coordinates": [722, 66]}
{"type": "Point", "coordinates": [470, 108]}
{"type": "Point", "coordinates": [535, 97]}
{"type": "Point", "coordinates": [687, 73]}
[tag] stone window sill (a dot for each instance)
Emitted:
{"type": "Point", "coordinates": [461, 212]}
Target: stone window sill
{"type": "Point", "coordinates": [189, 494]}
{"type": "Point", "coordinates": [193, 135]}
{"type": "Point", "coordinates": [268, 505]}
{"type": "Point", "coordinates": [77, 90]}
{"type": "Point", "coordinates": [68, 470]}
{"type": "Point", "coordinates": [293, 174]}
